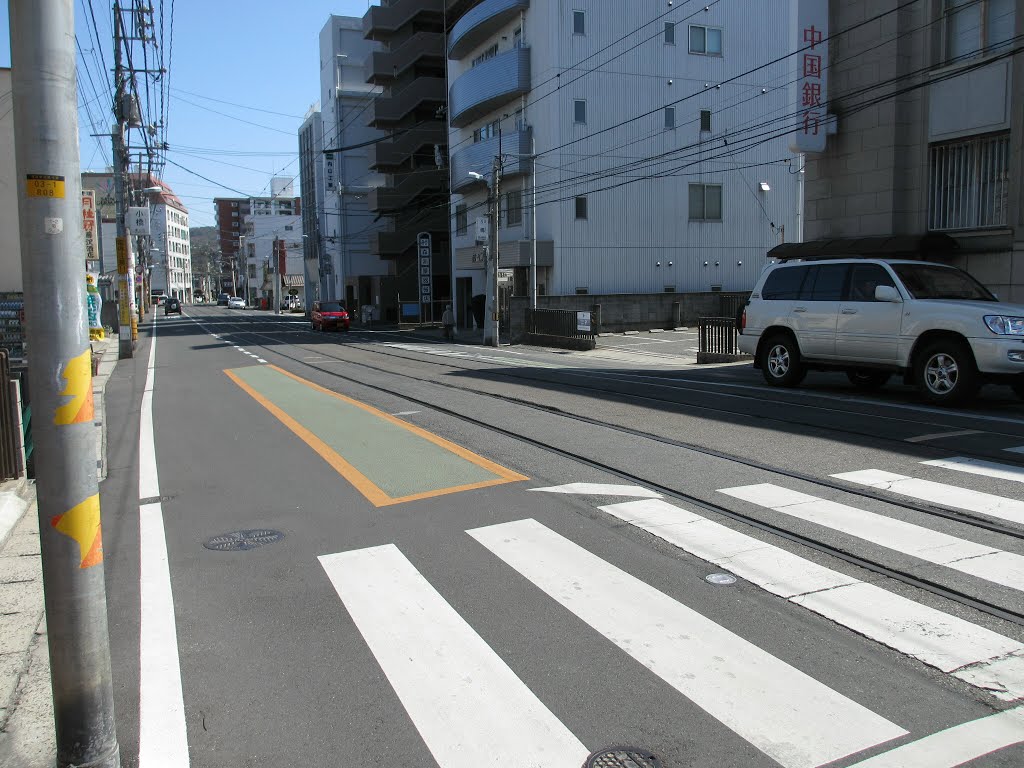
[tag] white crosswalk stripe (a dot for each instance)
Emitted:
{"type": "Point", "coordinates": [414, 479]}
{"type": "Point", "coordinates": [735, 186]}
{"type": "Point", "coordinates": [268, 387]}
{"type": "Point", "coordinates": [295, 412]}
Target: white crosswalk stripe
{"type": "Point", "coordinates": [939, 493]}
{"type": "Point", "coordinates": [968, 651]}
{"type": "Point", "coordinates": [985, 562]}
{"type": "Point", "coordinates": [980, 467]}
{"type": "Point", "coordinates": [793, 718]}
{"type": "Point", "coordinates": [470, 708]}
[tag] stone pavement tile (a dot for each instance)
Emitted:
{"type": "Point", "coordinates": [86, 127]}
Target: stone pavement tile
{"type": "Point", "coordinates": [16, 631]}
{"type": "Point", "coordinates": [21, 596]}
{"type": "Point", "coordinates": [11, 667]}
{"type": "Point", "coordinates": [20, 569]}
{"type": "Point", "coordinates": [22, 544]}
{"type": "Point", "coordinates": [28, 740]}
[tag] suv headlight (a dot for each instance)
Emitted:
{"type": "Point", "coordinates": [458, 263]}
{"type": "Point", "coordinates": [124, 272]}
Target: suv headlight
{"type": "Point", "coordinates": [1005, 325]}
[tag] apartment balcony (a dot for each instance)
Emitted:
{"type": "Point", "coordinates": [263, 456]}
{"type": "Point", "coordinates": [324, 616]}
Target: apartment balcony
{"type": "Point", "coordinates": [479, 157]}
{"type": "Point", "coordinates": [489, 85]}
{"type": "Point", "coordinates": [409, 187]}
{"type": "Point", "coordinates": [480, 23]}
{"type": "Point", "coordinates": [382, 21]}
{"type": "Point", "coordinates": [388, 154]}
{"type": "Point", "coordinates": [384, 66]}
{"type": "Point", "coordinates": [400, 238]}
{"type": "Point", "coordinates": [421, 92]}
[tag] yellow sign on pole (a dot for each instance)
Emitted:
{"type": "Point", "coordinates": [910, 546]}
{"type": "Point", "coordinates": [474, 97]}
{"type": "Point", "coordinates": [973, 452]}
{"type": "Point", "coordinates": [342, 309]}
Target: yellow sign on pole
{"type": "Point", "coordinates": [122, 256]}
{"type": "Point", "coordinates": [123, 307]}
{"type": "Point", "coordinates": [41, 185]}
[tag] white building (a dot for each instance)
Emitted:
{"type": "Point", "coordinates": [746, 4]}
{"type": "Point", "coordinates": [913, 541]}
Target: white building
{"type": "Point", "coordinates": [172, 246]}
{"type": "Point", "coordinates": [337, 235]}
{"type": "Point", "coordinates": [653, 173]}
{"type": "Point", "coordinates": [258, 246]}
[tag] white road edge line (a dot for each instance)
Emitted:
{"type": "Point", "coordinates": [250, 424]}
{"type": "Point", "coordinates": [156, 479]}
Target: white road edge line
{"type": "Point", "coordinates": [955, 746]}
{"type": "Point", "coordinates": [468, 705]}
{"type": "Point", "coordinates": [602, 489]}
{"type": "Point", "coordinates": [163, 737]}
{"type": "Point", "coordinates": [939, 435]}
{"type": "Point", "coordinates": [786, 713]}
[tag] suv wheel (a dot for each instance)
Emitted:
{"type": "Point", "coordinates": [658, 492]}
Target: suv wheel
{"type": "Point", "coordinates": [868, 380]}
{"type": "Point", "coordinates": [946, 373]}
{"type": "Point", "coordinates": [780, 362]}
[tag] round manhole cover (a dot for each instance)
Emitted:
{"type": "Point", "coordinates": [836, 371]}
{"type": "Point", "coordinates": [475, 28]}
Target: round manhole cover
{"type": "Point", "coordinates": [622, 757]}
{"type": "Point", "coordinates": [241, 541]}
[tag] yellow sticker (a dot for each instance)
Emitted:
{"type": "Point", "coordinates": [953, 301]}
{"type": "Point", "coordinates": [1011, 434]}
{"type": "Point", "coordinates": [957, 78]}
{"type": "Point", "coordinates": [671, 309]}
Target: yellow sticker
{"type": "Point", "coordinates": [82, 523]}
{"type": "Point", "coordinates": [39, 185]}
{"type": "Point", "coordinates": [78, 375]}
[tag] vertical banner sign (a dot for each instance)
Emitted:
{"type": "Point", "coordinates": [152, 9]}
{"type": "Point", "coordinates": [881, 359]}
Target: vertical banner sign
{"type": "Point", "coordinates": [329, 170]}
{"type": "Point", "coordinates": [811, 85]}
{"type": "Point", "coordinates": [123, 291]}
{"type": "Point", "coordinates": [424, 249]}
{"type": "Point", "coordinates": [89, 224]}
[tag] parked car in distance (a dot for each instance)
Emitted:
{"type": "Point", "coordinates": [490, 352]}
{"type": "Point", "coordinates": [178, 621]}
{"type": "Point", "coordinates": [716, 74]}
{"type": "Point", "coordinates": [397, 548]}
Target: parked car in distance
{"type": "Point", "coordinates": [157, 298]}
{"type": "Point", "coordinates": [933, 324]}
{"type": "Point", "coordinates": [236, 302]}
{"type": "Point", "coordinates": [172, 306]}
{"type": "Point", "coordinates": [329, 314]}
{"type": "Point", "coordinates": [222, 300]}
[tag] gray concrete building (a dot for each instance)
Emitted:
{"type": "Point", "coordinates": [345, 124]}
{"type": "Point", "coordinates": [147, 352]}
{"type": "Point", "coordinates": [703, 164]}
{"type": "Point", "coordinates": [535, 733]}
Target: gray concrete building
{"type": "Point", "coordinates": [929, 101]}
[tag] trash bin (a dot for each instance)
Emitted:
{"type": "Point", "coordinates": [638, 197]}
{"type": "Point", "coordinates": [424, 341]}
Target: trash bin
{"type": "Point", "coordinates": [263, 303]}
{"type": "Point", "coordinates": [478, 305]}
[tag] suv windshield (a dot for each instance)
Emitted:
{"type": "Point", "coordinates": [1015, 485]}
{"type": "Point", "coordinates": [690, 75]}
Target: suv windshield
{"type": "Point", "coordinates": [927, 281]}
{"type": "Point", "coordinates": [331, 306]}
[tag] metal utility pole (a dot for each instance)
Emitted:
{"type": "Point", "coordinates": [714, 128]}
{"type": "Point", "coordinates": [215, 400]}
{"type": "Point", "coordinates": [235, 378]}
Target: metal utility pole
{"type": "Point", "coordinates": [60, 377]}
{"type": "Point", "coordinates": [492, 329]}
{"type": "Point", "coordinates": [125, 285]}
{"type": "Point", "coordinates": [533, 221]}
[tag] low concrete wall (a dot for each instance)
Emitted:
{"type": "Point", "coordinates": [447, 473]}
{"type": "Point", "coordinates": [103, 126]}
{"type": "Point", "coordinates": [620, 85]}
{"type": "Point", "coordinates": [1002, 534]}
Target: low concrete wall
{"type": "Point", "coordinates": [615, 313]}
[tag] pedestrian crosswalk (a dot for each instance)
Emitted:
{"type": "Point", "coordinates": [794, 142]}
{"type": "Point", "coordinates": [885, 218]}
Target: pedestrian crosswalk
{"type": "Point", "coordinates": [472, 708]}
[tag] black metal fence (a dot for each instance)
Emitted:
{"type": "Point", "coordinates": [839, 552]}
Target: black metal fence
{"type": "Point", "coordinates": [557, 322]}
{"type": "Point", "coordinates": [729, 303]}
{"type": "Point", "coordinates": [10, 424]}
{"type": "Point", "coordinates": [717, 335]}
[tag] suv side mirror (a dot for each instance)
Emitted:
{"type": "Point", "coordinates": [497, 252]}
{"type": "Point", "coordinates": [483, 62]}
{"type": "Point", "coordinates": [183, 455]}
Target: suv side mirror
{"type": "Point", "coordinates": [887, 293]}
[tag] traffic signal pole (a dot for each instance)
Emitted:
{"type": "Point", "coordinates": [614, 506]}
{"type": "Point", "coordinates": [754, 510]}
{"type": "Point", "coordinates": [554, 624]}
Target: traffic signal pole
{"type": "Point", "coordinates": [60, 379]}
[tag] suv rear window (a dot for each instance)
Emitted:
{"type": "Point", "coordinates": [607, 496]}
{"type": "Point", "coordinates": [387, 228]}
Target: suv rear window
{"type": "Point", "coordinates": [783, 283]}
{"type": "Point", "coordinates": [331, 306]}
{"type": "Point", "coordinates": [825, 283]}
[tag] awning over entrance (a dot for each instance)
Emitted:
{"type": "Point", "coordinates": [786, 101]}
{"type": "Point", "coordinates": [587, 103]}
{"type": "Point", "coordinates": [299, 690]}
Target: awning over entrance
{"type": "Point", "coordinates": [930, 246]}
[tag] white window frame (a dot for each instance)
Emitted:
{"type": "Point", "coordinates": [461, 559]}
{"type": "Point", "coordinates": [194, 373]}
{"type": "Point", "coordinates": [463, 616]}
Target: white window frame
{"type": "Point", "coordinates": [705, 188]}
{"type": "Point", "coordinates": [969, 183]}
{"type": "Point", "coordinates": [705, 27]}
{"type": "Point", "coordinates": [947, 11]}
{"type": "Point", "coordinates": [582, 18]}
{"type": "Point", "coordinates": [575, 111]}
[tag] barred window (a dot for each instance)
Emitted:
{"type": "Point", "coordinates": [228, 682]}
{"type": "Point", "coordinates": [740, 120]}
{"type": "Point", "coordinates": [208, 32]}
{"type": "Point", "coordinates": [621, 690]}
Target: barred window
{"type": "Point", "coordinates": [969, 183]}
{"type": "Point", "coordinates": [461, 219]}
{"type": "Point", "coordinates": [514, 208]}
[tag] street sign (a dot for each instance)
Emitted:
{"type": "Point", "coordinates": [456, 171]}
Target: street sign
{"type": "Point", "coordinates": [424, 251]}
{"type": "Point", "coordinates": [122, 255]}
{"type": "Point", "coordinates": [138, 220]}
{"type": "Point", "coordinates": [505, 275]}
{"type": "Point", "coordinates": [583, 322]}
{"type": "Point", "coordinates": [89, 223]}
{"type": "Point", "coordinates": [483, 229]}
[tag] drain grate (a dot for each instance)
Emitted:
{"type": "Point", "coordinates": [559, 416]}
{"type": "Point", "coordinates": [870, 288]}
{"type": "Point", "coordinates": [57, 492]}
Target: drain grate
{"type": "Point", "coordinates": [242, 541]}
{"type": "Point", "coordinates": [622, 757]}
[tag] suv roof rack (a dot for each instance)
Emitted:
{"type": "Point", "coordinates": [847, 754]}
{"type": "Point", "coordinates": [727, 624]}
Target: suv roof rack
{"type": "Point", "coordinates": [930, 246]}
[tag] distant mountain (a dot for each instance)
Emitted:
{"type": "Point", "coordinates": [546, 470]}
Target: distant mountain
{"type": "Point", "coordinates": [204, 236]}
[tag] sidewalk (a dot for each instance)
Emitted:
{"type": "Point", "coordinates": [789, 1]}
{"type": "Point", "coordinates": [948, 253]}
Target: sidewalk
{"type": "Point", "coordinates": [26, 703]}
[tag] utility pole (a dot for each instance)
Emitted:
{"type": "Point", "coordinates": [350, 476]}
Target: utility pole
{"type": "Point", "coordinates": [125, 285]}
{"type": "Point", "coordinates": [60, 377]}
{"type": "Point", "coordinates": [492, 329]}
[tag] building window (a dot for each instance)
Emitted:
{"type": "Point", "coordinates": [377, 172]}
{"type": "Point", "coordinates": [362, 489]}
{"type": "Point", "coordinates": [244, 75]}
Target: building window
{"type": "Point", "coordinates": [670, 33]}
{"type": "Point", "coordinates": [581, 207]}
{"type": "Point", "coordinates": [579, 110]}
{"type": "Point", "coordinates": [705, 202]}
{"type": "Point", "coordinates": [517, 37]}
{"type": "Point", "coordinates": [705, 40]}
{"type": "Point", "coordinates": [705, 120]}
{"type": "Point", "coordinates": [670, 117]}
{"type": "Point", "coordinates": [461, 219]}
{"type": "Point", "coordinates": [490, 53]}
{"type": "Point", "coordinates": [974, 27]}
{"type": "Point", "coordinates": [969, 183]}
{"type": "Point", "coordinates": [488, 131]}
{"type": "Point", "coordinates": [582, 291]}
{"type": "Point", "coordinates": [579, 23]}
{"type": "Point", "coordinates": [514, 208]}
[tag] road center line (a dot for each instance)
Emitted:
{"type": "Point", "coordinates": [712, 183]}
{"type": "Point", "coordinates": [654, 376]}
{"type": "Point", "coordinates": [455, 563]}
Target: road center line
{"type": "Point", "coordinates": [163, 738]}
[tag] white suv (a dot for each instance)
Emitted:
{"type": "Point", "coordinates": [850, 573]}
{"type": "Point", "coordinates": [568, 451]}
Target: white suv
{"type": "Point", "coordinates": [934, 324]}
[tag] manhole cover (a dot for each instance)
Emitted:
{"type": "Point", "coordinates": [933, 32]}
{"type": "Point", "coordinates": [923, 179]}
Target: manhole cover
{"type": "Point", "coordinates": [240, 541]}
{"type": "Point", "coordinates": [622, 757]}
{"type": "Point", "coordinates": [720, 578]}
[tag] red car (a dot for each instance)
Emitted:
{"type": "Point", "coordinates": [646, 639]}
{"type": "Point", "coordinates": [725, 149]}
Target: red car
{"type": "Point", "coordinates": [328, 315]}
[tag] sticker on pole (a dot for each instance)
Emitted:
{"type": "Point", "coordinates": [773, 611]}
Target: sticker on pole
{"type": "Point", "coordinates": [41, 185]}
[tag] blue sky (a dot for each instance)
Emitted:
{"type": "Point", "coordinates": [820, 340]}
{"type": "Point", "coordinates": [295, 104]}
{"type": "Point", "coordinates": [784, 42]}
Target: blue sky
{"type": "Point", "coordinates": [259, 54]}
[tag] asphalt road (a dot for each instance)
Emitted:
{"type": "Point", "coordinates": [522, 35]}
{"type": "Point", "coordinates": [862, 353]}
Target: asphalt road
{"type": "Point", "coordinates": [501, 557]}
